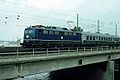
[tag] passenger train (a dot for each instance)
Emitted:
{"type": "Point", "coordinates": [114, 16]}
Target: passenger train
{"type": "Point", "coordinates": [50, 36]}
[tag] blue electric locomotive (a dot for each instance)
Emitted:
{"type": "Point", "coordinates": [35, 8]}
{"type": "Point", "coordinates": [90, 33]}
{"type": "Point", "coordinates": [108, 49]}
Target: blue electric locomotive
{"type": "Point", "coordinates": [50, 36]}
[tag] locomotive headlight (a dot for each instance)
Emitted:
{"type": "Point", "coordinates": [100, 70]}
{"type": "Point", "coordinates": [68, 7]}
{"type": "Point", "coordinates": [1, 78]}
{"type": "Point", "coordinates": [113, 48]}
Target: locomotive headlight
{"type": "Point", "coordinates": [61, 37]}
{"type": "Point", "coordinates": [27, 36]}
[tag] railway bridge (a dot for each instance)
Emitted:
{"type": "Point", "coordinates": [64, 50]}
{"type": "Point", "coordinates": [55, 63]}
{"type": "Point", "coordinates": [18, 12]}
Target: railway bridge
{"type": "Point", "coordinates": [105, 60]}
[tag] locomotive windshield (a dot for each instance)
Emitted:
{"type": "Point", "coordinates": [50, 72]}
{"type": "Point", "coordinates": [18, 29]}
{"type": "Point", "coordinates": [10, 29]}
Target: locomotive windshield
{"type": "Point", "coordinates": [29, 33]}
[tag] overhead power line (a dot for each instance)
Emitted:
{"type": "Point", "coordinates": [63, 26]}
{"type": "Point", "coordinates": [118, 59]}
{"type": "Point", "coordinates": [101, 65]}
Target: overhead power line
{"type": "Point", "coordinates": [63, 11]}
{"type": "Point", "coordinates": [31, 15]}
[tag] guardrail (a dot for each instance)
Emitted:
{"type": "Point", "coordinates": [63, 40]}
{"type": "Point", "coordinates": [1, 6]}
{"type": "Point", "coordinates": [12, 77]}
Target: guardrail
{"type": "Point", "coordinates": [34, 52]}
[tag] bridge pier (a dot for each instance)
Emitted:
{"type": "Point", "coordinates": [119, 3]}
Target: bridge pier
{"type": "Point", "coordinates": [117, 69]}
{"type": "Point", "coordinates": [109, 72]}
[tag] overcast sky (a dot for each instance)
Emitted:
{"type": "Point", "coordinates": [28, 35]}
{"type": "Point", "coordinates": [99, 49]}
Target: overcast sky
{"type": "Point", "coordinates": [57, 13]}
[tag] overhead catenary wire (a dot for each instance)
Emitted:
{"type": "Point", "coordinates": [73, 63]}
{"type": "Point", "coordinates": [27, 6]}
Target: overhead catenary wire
{"type": "Point", "coordinates": [31, 15]}
{"type": "Point", "coordinates": [34, 16]}
{"type": "Point", "coordinates": [39, 8]}
{"type": "Point", "coordinates": [44, 10]}
{"type": "Point", "coordinates": [33, 8]}
{"type": "Point", "coordinates": [29, 7]}
{"type": "Point", "coordinates": [25, 14]}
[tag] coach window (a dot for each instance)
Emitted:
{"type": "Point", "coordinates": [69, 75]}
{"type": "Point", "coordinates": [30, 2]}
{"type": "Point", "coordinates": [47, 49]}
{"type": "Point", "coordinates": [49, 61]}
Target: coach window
{"type": "Point", "coordinates": [99, 38]}
{"type": "Point", "coordinates": [87, 37]}
{"type": "Point", "coordinates": [90, 37]}
{"type": "Point", "coordinates": [103, 38]}
{"type": "Point", "coordinates": [45, 31]}
{"type": "Point", "coordinates": [93, 38]}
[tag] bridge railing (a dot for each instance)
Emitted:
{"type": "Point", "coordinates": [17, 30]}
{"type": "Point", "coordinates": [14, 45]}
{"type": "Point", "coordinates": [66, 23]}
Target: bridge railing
{"type": "Point", "coordinates": [35, 52]}
{"type": "Point", "coordinates": [49, 51]}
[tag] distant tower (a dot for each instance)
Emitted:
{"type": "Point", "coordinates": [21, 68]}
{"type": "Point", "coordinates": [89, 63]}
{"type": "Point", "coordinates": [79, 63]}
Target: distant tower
{"type": "Point", "coordinates": [77, 21]}
{"type": "Point", "coordinates": [98, 26]}
{"type": "Point", "coordinates": [116, 28]}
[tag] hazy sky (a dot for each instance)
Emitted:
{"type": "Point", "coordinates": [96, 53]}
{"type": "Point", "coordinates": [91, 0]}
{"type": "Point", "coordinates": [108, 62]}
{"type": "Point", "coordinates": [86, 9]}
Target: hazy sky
{"type": "Point", "coordinates": [57, 13]}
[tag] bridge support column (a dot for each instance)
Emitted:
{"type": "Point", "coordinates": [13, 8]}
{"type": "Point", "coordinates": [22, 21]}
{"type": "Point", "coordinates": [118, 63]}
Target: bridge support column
{"type": "Point", "coordinates": [109, 72]}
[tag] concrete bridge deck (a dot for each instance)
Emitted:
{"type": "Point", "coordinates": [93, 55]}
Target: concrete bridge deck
{"type": "Point", "coordinates": [18, 67]}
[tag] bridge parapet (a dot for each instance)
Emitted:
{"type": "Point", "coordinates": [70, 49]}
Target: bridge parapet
{"type": "Point", "coordinates": [35, 52]}
{"type": "Point", "coordinates": [22, 66]}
